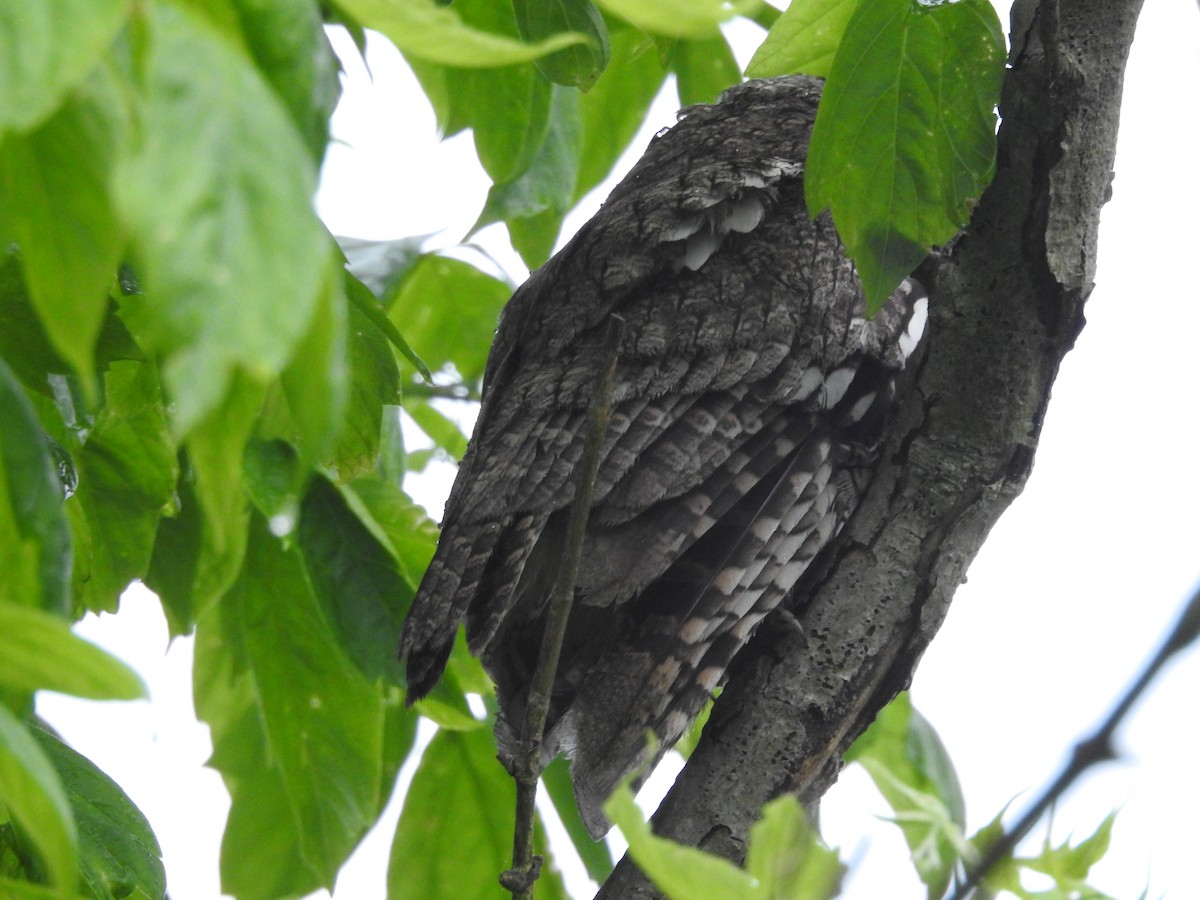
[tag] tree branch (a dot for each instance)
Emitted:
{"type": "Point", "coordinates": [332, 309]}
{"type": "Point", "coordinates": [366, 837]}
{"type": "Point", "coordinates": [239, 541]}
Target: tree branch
{"type": "Point", "coordinates": [1091, 751]}
{"type": "Point", "coordinates": [527, 766]}
{"type": "Point", "coordinates": [1007, 306]}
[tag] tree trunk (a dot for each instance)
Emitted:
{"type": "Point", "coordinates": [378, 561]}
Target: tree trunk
{"type": "Point", "coordinates": [1007, 304]}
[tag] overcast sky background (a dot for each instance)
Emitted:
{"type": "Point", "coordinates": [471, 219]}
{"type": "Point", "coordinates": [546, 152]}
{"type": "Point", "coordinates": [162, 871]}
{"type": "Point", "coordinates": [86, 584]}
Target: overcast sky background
{"type": "Point", "coordinates": [1073, 590]}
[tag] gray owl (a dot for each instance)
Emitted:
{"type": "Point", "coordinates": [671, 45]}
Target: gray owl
{"type": "Point", "coordinates": [749, 399]}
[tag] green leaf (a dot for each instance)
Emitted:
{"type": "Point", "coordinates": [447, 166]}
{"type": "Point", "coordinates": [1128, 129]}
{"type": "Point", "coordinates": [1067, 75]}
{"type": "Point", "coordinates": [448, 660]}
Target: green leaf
{"type": "Point", "coordinates": [613, 111]}
{"type": "Point", "coordinates": [576, 66]}
{"type": "Point", "coordinates": [54, 181]}
{"type": "Point", "coordinates": [443, 430]}
{"type": "Point", "coordinates": [787, 856]}
{"type": "Point", "coordinates": [119, 854]}
{"type": "Point", "coordinates": [39, 652]}
{"type": "Point", "coordinates": [24, 890]}
{"type": "Point", "coordinates": [297, 731]}
{"type": "Point", "coordinates": [317, 380]}
{"type": "Point", "coordinates": [682, 873]}
{"type": "Point", "coordinates": [448, 309]}
{"type": "Point", "coordinates": [535, 203]}
{"type": "Point", "coordinates": [674, 18]}
{"type": "Point", "coordinates": [127, 475]}
{"type": "Point", "coordinates": [371, 308]}
{"type": "Point", "coordinates": [804, 39]}
{"type": "Point", "coordinates": [174, 568]}
{"type": "Point", "coordinates": [46, 49]}
{"type": "Point", "coordinates": [355, 580]}
{"type": "Point", "coordinates": [506, 108]}
{"type": "Point", "coordinates": [455, 832]}
{"type": "Point", "coordinates": [35, 539]}
{"type": "Point", "coordinates": [596, 856]}
{"type": "Point", "coordinates": [703, 68]}
{"type": "Point", "coordinates": [396, 522]}
{"type": "Point", "coordinates": [289, 45]}
{"type": "Point", "coordinates": [381, 265]}
{"type": "Point", "coordinates": [218, 196]}
{"type": "Point", "coordinates": [909, 764]}
{"type": "Point", "coordinates": [429, 31]}
{"type": "Point", "coordinates": [32, 794]}
{"type": "Point", "coordinates": [1069, 865]}
{"type": "Point", "coordinates": [216, 449]}
{"type": "Point", "coordinates": [24, 344]}
{"type": "Point", "coordinates": [905, 137]}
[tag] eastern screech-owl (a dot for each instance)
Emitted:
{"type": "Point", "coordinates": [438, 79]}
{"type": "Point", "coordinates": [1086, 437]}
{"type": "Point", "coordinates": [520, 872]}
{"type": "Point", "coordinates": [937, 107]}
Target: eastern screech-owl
{"type": "Point", "coordinates": [748, 402]}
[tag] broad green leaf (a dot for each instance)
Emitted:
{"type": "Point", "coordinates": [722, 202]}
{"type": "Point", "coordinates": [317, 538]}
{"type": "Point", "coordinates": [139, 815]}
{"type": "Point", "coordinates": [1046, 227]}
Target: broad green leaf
{"type": "Point", "coordinates": [613, 110]}
{"type": "Point", "coordinates": [317, 380]}
{"type": "Point", "coordinates": [448, 309]}
{"type": "Point", "coordinates": [455, 832]}
{"type": "Point", "coordinates": [289, 45]}
{"type": "Point", "coordinates": [396, 522]}
{"type": "Point", "coordinates": [216, 450]}
{"type": "Point", "coordinates": [1069, 865]}
{"type": "Point", "coordinates": [355, 580]}
{"type": "Point", "coordinates": [127, 475]}
{"type": "Point", "coordinates": [535, 203]}
{"type": "Point", "coordinates": [444, 431]}
{"type": "Point", "coordinates": [218, 196]}
{"type": "Point", "coordinates": [787, 856]}
{"type": "Point", "coordinates": [909, 764]}
{"type": "Point", "coordinates": [596, 856]}
{"type": "Point", "coordinates": [427, 30]}
{"type": "Point", "coordinates": [363, 300]}
{"type": "Point", "coordinates": [674, 18]}
{"type": "Point", "coordinates": [374, 389]}
{"type": "Point", "coordinates": [46, 49]}
{"type": "Point", "coordinates": [274, 476]}
{"type": "Point", "coordinates": [39, 652]}
{"type": "Point", "coordinates": [35, 539]}
{"type": "Point", "coordinates": [175, 561]}
{"type": "Point", "coordinates": [25, 890]}
{"type": "Point", "coordinates": [905, 137]}
{"type": "Point", "coordinates": [682, 873]}
{"type": "Point", "coordinates": [54, 182]}
{"type": "Point", "coordinates": [687, 744]}
{"type": "Point", "coordinates": [576, 66]}
{"type": "Point", "coordinates": [32, 794]}
{"type": "Point", "coordinates": [24, 344]}
{"type": "Point", "coordinates": [281, 697]}
{"type": "Point", "coordinates": [703, 67]}
{"type": "Point", "coordinates": [506, 108]}
{"type": "Point", "coordinates": [804, 39]}
{"type": "Point", "coordinates": [119, 855]}
{"type": "Point", "coordinates": [381, 265]}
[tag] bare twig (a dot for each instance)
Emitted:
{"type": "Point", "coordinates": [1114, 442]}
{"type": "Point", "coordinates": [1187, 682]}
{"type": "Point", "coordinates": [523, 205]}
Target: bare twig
{"type": "Point", "coordinates": [1093, 750]}
{"type": "Point", "coordinates": [456, 391]}
{"type": "Point", "coordinates": [527, 766]}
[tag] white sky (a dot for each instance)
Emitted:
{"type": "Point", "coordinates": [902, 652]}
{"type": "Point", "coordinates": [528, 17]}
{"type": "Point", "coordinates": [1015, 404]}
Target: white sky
{"type": "Point", "coordinates": [1072, 591]}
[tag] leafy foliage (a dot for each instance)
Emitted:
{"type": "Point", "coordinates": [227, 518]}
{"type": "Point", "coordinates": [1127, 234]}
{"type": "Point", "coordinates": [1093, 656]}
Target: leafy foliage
{"type": "Point", "coordinates": [194, 392]}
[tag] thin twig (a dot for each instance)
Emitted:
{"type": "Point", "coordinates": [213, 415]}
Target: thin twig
{"type": "Point", "coordinates": [527, 766]}
{"type": "Point", "coordinates": [456, 391]}
{"type": "Point", "coordinates": [1093, 750]}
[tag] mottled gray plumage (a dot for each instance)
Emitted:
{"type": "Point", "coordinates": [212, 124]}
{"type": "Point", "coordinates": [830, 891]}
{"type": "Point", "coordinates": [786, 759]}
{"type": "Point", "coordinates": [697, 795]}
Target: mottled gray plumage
{"type": "Point", "coordinates": [748, 399]}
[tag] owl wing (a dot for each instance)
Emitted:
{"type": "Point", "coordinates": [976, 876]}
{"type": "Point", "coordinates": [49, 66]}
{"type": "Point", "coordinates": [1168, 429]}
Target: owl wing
{"type": "Point", "coordinates": [748, 392]}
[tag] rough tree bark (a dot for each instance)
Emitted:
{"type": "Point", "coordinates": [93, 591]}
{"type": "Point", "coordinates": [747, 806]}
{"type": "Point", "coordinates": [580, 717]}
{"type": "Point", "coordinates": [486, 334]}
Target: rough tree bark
{"type": "Point", "coordinates": [1007, 306]}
